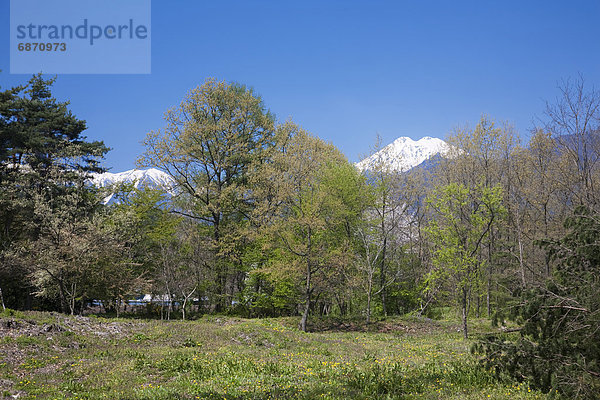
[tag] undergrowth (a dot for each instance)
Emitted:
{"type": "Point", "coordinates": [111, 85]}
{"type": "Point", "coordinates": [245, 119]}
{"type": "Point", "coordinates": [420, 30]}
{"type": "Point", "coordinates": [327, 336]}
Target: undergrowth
{"type": "Point", "coordinates": [233, 358]}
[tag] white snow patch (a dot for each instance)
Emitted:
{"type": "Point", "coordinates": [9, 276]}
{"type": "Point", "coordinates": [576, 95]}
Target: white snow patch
{"type": "Point", "coordinates": [151, 177]}
{"type": "Point", "coordinates": [405, 153]}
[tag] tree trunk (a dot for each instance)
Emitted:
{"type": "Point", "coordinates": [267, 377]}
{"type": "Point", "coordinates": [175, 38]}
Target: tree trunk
{"type": "Point", "coordinates": [305, 313]}
{"type": "Point", "coordinates": [369, 307]}
{"type": "Point", "coordinates": [307, 294]}
{"type": "Point", "coordinates": [341, 304]}
{"type": "Point", "coordinates": [162, 310]}
{"type": "Point", "coordinates": [488, 298]}
{"type": "Point", "coordinates": [185, 300]}
{"type": "Point", "coordinates": [72, 300]}
{"type": "Point", "coordinates": [383, 277]}
{"type": "Point", "coordinates": [464, 312]}
{"type": "Point", "coordinates": [369, 294]}
{"type": "Point", "coordinates": [169, 306]}
{"type": "Point", "coordinates": [221, 269]}
{"type": "Point", "coordinates": [2, 300]}
{"type": "Point", "coordinates": [169, 302]}
{"type": "Point", "coordinates": [520, 240]}
{"type": "Point", "coordinates": [64, 304]}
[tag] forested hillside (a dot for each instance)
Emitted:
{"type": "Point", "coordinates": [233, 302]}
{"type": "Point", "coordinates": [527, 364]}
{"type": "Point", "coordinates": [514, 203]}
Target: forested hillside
{"type": "Point", "coordinates": [265, 219]}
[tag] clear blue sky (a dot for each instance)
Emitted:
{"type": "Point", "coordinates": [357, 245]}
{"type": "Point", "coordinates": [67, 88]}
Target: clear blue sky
{"type": "Point", "coordinates": [344, 70]}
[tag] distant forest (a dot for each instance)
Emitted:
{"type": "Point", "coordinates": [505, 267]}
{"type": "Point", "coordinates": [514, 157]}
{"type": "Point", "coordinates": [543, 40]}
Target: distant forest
{"type": "Point", "coordinates": [267, 219]}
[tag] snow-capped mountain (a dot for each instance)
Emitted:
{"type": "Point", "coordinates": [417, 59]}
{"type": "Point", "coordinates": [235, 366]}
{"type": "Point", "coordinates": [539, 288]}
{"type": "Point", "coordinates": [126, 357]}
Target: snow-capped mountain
{"type": "Point", "coordinates": [142, 177]}
{"type": "Point", "coordinates": [405, 153]}
{"type": "Point", "coordinates": [151, 177]}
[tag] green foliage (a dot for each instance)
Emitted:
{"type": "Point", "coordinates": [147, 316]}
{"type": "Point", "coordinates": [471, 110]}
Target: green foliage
{"type": "Point", "coordinates": [40, 132]}
{"type": "Point", "coordinates": [267, 294]}
{"type": "Point", "coordinates": [44, 162]}
{"type": "Point", "coordinates": [210, 146]}
{"type": "Point", "coordinates": [463, 218]}
{"type": "Point", "coordinates": [558, 347]}
{"type": "Point", "coordinates": [315, 192]}
{"type": "Point", "coordinates": [8, 312]}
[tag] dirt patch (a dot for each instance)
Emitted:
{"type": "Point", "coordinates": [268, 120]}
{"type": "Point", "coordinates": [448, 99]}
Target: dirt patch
{"type": "Point", "coordinates": [14, 328]}
{"type": "Point", "coordinates": [251, 339]}
{"type": "Point", "coordinates": [83, 325]}
{"type": "Point", "coordinates": [8, 386]}
{"type": "Point", "coordinates": [12, 355]}
{"type": "Point", "coordinates": [416, 327]}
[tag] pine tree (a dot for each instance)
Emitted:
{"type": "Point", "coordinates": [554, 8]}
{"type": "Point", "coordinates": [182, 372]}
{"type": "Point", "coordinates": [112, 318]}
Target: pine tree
{"type": "Point", "coordinates": [43, 158]}
{"type": "Point", "coordinates": [558, 347]}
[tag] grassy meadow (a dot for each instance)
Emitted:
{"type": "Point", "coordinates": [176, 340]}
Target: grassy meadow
{"type": "Point", "coordinates": [53, 356]}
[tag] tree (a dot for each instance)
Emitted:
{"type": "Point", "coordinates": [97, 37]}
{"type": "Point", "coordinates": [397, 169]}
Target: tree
{"type": "Point", "coordinates": [42, 153]}
{"type": "Point", "coordinates": [485, 155]}
{"type": "Point", "coordinates": [537, 205]}
{"type": "Point", "coordinates": [463, 217]}
{"type": "Point", "coordinates": [177, 272]}
{"type": "Point", "coordinates": [307, 197]}
{"type": "Point", "coordinates": [77, 257]}
{"type": "Point", "coordinates": [574, 122]}
{"type": "Point", "coordinates": [391, 222]}
{"type": "Point", "coordinates": [386, 213]}
{"type": "Point", "coordinates": [368, 262]}
{"type": "Point", "coordinates": [559, 343]}
{"type": "Point", "coordinates": [207, 146]}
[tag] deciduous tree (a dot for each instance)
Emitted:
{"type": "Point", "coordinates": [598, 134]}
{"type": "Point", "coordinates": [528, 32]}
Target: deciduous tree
{"type": "Point", "coordinates": [463, 217]}
{"type": "Point", "coordinates": [207, 146]}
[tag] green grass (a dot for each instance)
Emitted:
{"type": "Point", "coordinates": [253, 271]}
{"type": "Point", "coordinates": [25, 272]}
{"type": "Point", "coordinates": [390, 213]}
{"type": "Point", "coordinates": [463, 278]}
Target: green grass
{"type": "Point", "coordinates": [233, 358]}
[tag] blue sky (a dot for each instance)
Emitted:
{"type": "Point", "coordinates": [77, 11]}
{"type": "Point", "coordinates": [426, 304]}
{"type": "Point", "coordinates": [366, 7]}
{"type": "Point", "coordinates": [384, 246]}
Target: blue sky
{"type": "Point", "coordinates": [344, 70]}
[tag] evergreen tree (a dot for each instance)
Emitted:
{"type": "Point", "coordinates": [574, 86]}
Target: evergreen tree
{"type": "Point", "coordinates": [559, 343]}
{"type": "Point", "coordinates": [43, 158]}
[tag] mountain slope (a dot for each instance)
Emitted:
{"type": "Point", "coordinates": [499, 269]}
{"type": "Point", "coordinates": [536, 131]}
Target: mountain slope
{"type": "Point", "coordinates": [152, 177]}
{"type": "Point", "coordinates": [405, 153]}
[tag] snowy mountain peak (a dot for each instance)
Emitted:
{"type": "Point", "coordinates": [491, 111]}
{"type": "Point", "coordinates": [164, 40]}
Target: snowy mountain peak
{"type": "Point", "coordinates": [405, 153]}
{"type": "Point", "coordinates": [151, 177]}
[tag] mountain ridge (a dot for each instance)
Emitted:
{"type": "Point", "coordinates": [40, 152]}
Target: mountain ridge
{"type": "Point", "coordinates": [402, 154]}
{"type": "Point", "coordinates": [405, 153]}
{"type": "Point", "coordinates": [150, 177]}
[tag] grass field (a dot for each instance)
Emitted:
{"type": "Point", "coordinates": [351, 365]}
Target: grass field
{"type": "Point", "coordinates": [53, 356]}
